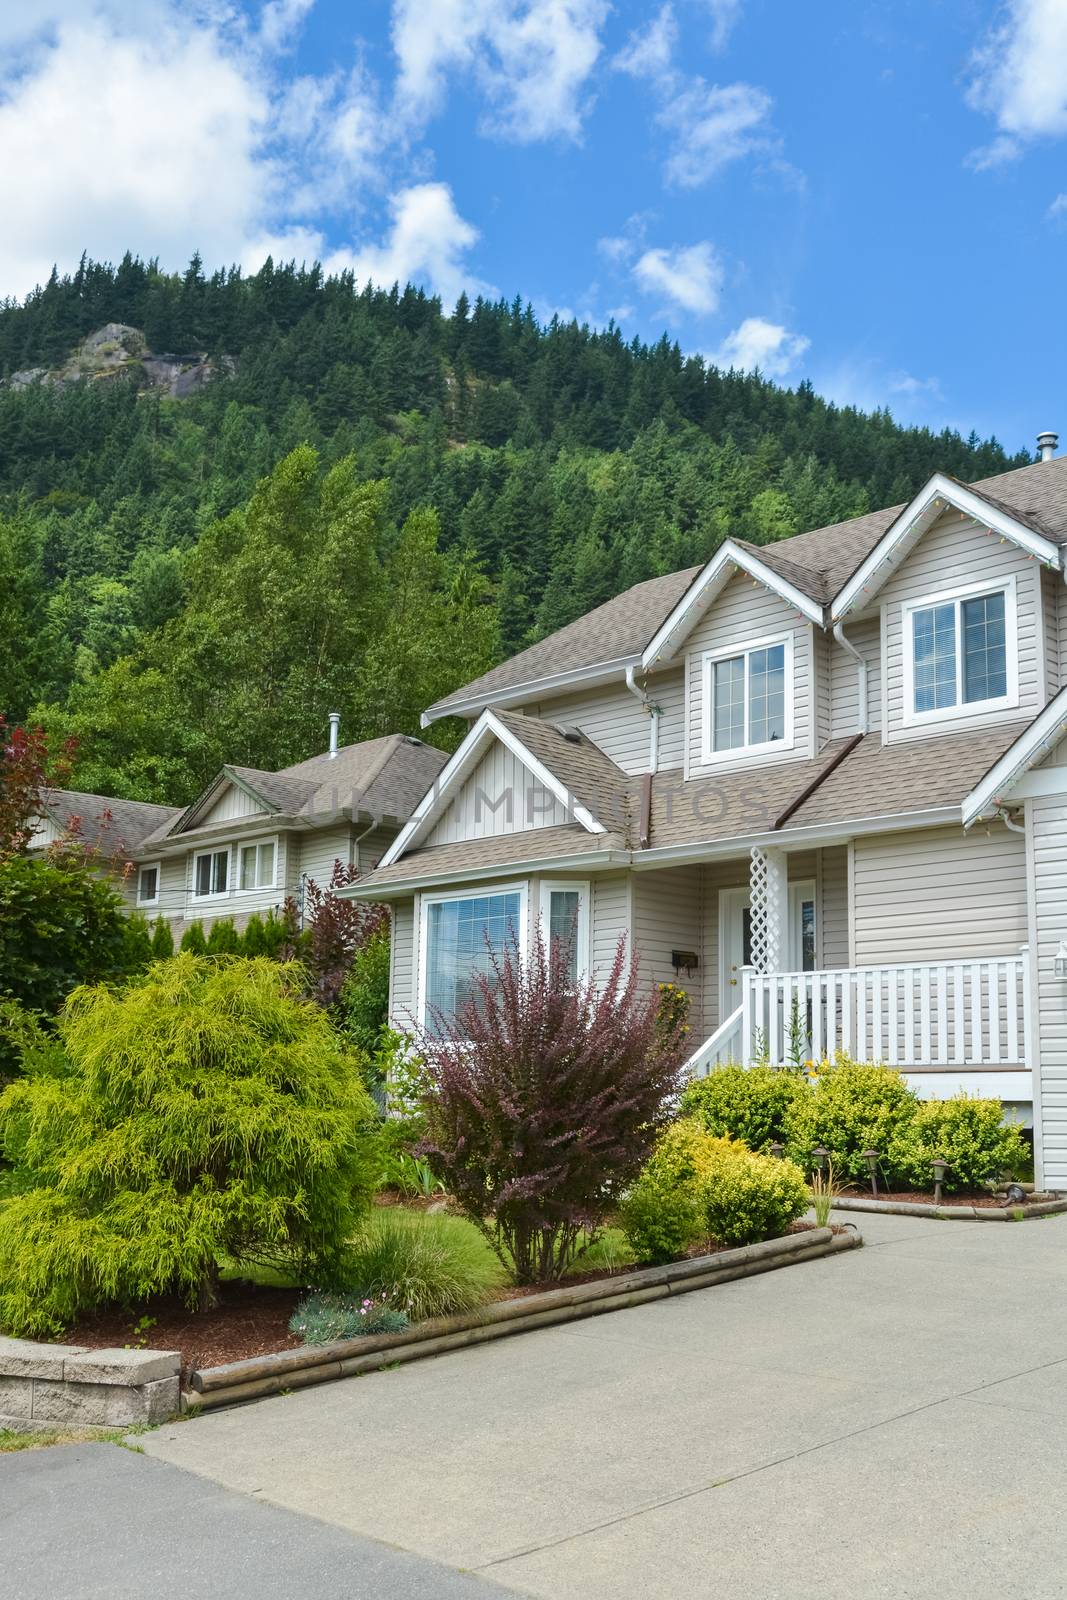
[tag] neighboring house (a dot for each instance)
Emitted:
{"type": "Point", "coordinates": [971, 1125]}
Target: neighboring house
{"type": "Point", "coordinates": [823, 779]}
{"type": "Point", "coordinates": [253, 839]}
{"type": "Point", "coordinates": [110, 830]}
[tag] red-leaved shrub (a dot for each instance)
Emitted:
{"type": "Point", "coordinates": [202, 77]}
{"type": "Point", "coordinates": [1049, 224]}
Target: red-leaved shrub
{"type": "Point", "coordinates": [543, 1099]}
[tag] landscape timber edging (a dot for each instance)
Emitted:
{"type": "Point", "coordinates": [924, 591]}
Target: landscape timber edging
{"type": "Point", "coordinates": [296, 1369]}
{"type": "Point", "coordinates": [908, 1208]}
{"type": "Point", "coordinates": [68, 1385]}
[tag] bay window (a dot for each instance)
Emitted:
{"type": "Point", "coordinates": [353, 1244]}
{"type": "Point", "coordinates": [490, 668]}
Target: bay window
{"type": "Point", "coordinates": [460, 935]}
{"type": "Point", "coordinates": [748, 698]}
{"type": "Point", "coordinates": [959, 652]}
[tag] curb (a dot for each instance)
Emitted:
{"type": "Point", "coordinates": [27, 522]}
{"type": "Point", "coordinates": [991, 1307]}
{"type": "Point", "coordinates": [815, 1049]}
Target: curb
{"type": "Point", "coordinates": [905, 1208]}
{"type": "Point", "coordinates": [257, 1376]}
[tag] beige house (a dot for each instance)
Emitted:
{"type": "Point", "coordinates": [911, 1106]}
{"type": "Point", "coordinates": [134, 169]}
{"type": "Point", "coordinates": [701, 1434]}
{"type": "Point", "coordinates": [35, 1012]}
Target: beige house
{"type": "Point", "coordinates": [821, 782]}
{"type": "Point", "coordinates": [254, 839]}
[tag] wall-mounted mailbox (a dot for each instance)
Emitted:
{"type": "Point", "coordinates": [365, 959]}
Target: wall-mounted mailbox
{"type": "Point", "coordinates": [686, 959]}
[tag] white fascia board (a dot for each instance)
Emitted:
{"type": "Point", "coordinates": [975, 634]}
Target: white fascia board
{"type": "Point", "coordinates": [705, 586]}
{"type": "Point", "coordinates": [400, 889]}
{"type": "Point", "coordinates": [940, 494]}
{"type": "Point", "coordinates": [485, 730]}
{"type": "Point", "coordinates": [821, 834]}
{"type": "Point", "coordinates": [1034, 742]}
{"type": "Point", "coordinates": [533, 688]}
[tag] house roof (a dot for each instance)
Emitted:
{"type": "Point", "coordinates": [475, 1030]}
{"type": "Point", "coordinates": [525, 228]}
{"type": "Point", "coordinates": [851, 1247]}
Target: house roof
{"type": "Point", "coordinates": [103, 820]}
{"type": "Point", "coordinates": [587, 773]}
{"type": "Point", "coordinates": [474, 857]}
{"type": "Point", "coordinates": [380, 780]}
{"type": "Point", "coordinates": [818, 563]}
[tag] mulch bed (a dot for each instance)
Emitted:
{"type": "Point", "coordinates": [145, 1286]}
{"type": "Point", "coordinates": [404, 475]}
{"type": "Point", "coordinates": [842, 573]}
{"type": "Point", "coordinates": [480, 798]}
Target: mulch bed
{"type": "Point", "coordinates": [925, 1197]}
{"type": "Point", "coordinates": [254, 1321]}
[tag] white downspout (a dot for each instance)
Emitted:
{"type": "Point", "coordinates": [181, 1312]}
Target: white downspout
{"type": "Point", "coordinates": [654, 716]}
{"type": "Point", "coordinates": [1016, 827]}
{"type": "Point", "coordinates": [850, 649]}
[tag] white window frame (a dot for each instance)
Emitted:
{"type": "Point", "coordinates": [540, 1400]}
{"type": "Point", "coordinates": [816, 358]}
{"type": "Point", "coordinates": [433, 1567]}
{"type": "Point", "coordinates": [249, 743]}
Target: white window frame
{"type": "Point", "coordinates": [520, 887]}
{"type": "Point", "coordinates": [549, 886]}
{"type": "Point", "coordinates": [147, 866]}
{"type": "Point", "coordinates": [215, 894]}
{"type": "Point", "coordinates": [956, 597]}
{"type": "Point", "coordinates": [709, 756]}
{"type": "Point", "coordinates": [246, 844]}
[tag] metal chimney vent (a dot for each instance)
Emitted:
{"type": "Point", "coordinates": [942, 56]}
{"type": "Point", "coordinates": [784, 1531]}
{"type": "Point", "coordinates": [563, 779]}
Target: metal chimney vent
{"type": "Point", "coordinates": [335, 728]}
{"type": "Point", "coordinates": [1048, 443]}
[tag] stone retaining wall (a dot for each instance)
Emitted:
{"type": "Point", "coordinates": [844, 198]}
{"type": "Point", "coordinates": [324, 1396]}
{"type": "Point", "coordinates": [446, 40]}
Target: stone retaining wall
{"type": "Point", "coordinates": [67, 1385]}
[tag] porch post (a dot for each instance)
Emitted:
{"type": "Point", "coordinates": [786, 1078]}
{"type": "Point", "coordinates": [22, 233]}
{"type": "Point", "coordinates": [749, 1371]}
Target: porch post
{"type": "Point", "coordinates": [769, 901]}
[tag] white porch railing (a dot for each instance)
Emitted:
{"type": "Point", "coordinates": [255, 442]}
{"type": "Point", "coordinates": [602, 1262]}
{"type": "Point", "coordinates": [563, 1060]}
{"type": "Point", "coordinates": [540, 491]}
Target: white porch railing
{"type": "Point", "coordinates": [938, 1014]}
{"type": "Point", "coordinates": [720, 1049]}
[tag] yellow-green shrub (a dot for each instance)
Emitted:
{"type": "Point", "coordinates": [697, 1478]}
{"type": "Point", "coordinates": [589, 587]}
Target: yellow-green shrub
{"type": "Point", "coordinates": [967, 1132]}
{"type": "Point", "coordinates": [697, 1186]}
{"type": "Point", "coordinates": [746, 1103]}
{"type": "Point", "coordinates": [854, 1106]}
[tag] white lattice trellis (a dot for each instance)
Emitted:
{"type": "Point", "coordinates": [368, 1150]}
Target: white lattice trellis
{"type": "Point", "coordinates": [767, 897]}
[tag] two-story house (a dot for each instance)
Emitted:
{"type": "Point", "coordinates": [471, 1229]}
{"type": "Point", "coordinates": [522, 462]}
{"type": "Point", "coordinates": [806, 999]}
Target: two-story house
{"type": "Point", "coordinates": [822, 782]}
{"type": "Point", "coordinates": [254, 839]}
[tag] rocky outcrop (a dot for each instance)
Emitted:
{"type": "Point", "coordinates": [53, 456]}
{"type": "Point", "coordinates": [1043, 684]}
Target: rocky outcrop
{"type": "Point", "coordinates": [117, 350]}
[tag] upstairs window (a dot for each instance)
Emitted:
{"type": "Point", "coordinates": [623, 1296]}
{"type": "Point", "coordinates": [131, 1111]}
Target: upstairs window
{"type": "Point", "coordinates": [211, 874]}
{"type": "Point", "coordinates": [959, 651]}
{"type": "Point", "coordinates": [257, 865]}
{"type": "Point", "coordinates": [148, 884]}
{"type": "Point", "coordinates": [748, 699]}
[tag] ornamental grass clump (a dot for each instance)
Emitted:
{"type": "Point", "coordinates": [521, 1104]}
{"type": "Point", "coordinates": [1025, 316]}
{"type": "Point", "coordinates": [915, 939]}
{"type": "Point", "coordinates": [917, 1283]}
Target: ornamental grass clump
{"type": "Point", "coordinates": [425, 1266]}
{"type": "Point", "coordinates": [206, 1113]}
{"type": "Point", "coordinates": [543, 1098]}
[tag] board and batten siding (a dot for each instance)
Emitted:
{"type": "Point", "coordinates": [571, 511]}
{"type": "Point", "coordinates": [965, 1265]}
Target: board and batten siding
{"type": "Point", "coordinates": [500, 796]}
{"type": "Point", "coordinates": [668, 912]}
{"type": "Point", "coordinates": [1046, 817]}
{"type": "Point", "coordinates": [955, 553]}
{"type": "Point", "coordinates": [866, 636]}
{"type": "Point", "coordinates": [744, 612]}
{"type": "Point", "coordinates": [614, 720]}
{"type": "Point", "coordinates": [233, 802]}
{"type": "Point", "coordinates": [939, 894]}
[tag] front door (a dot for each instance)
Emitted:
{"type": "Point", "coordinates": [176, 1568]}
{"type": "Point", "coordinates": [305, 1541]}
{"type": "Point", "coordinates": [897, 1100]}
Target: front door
{"type": "Point", "coordinates": [735, 939]}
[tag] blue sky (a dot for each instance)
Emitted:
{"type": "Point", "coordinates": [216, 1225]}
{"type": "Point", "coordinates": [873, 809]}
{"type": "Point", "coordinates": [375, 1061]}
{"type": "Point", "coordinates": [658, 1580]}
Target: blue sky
{"type": "Point", "coordinates": [868, 193]}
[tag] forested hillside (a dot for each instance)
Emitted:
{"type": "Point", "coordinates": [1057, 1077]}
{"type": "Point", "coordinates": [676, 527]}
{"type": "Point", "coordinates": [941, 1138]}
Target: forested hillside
{"type": "Point", "coordinates": [365, 503]}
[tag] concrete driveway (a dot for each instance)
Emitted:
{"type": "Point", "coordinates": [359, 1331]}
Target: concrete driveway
{"type": "Point", "coordinates": [891, 1422]}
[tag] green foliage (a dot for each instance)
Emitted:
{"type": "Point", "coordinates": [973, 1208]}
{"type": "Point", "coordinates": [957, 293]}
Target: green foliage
{"type": "Point", "coordinates": [326, 1318]}
{"type": "Point", "coordinates": [853, 1107]}
{"type": "Point", "coordinates": [223, 940]}
{"type": "Point", "coordinates": [967, 1132]}
{"type": "Point", "coordinates": [697, 1185]}
{"type": "Point", "coordinates": [59, 926]}
{"type": "Point", "coordinates": [365, 995]}
{"type": "Point", "coordinates": [193, 940]}
{"type": "Point", "coordinates": [206, 1114]}
{"type": "Point", "coordinates": [27, 1042]}
{"type": "Point", "coordinates": [162, 940]}
{"type": "Point", "coordinates": [425, 1265]}
{"type": "Point", "coordinates": [137, 943]}
{"type": "Point", "coordinates": [254, 939]}
{"type": "Point", "coordinates": [749, 1104]}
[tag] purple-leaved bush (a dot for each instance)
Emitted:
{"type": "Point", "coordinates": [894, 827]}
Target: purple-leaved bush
{"type": "Point", "coordinates": [543, 1099]}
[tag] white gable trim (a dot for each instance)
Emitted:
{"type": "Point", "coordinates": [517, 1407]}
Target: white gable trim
{"type": "Point", "coordinates": [728, 559]}
{"type": "Point", "coordinates": [515, 694]}
{"type": "Point", "coordinates": [487, 729]}
{"type": "Point", "coordinates": [938, 496]}
{"type": "Point", "coordinates": [1033, 743]}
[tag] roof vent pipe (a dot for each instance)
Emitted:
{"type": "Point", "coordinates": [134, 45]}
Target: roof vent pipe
{"type": "Point", "coordinates": [1048, 443]}
{"type": "Point", "coordinates": [335, 729]}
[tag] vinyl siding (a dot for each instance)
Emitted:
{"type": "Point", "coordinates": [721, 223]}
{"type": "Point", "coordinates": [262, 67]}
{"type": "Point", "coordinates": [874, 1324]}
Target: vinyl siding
{"type": "Point", "coordinates": [319, 850]}
{"type": "Point", "coordinates": [613, 718]}
{"type": "Point", "coordinates": [1047, 822]}
{"type": "Point", "coordinates": [668, 914]}
{"type": "Point", "coordinates": [832, 907]}
{"type": "Point", "coordinates": [610, 918]}
{"type": "Point", "coordinates": [866, 636]}
{"type": "Point", "coordinates": [370, 847]}
{"type": "Point", "coordinates": [1061, 626]}
{"type": "Point", "coordinates": [954, 553]}
{"type": "Point", "coordinates": [939, 894]}
{"type": "Point", "coordinates": [499, 781]}
{"type": "Point", "coordinates": [742, 613]}
{"type": "Point", "coordinates": [821, 643]}
{"type": "Point", "coordinates": [1052, 588]}
{"type": "Point", "coordinates": [402, 966]}
{"type": "Point", "coordinates": [233, 802]}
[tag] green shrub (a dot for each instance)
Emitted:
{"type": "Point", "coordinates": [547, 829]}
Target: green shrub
{"type": "Point", "coordinates": [423, 1265]}
{"type": "Point", "coordinates": [223, 940]}
{"type": "Point", "coordinates": [697, 1185]}
{"type": "Point", "coordinates": [967, 1132]}
{"type": "Point", "coordinates": [325, 1318]}
{"type": "Point", "coordinates": [193, 941]}
{"type": "Point", "coordinates": [365, 994]}
{"type": "Point", "coordinates": [253, 939]}
{"type": "Point", "coordinates": [749, 1104]}
{"type": "Point", "coordinates": [59, 926]}
{"type": "Point", "coordinates": [205, 1113]}
{"type": "Point", "coordinates": [162, 940]}
{"type": "Point", "coordinates": [137, 943]}
{"type": "Point", "coordinates": [853, 1107]}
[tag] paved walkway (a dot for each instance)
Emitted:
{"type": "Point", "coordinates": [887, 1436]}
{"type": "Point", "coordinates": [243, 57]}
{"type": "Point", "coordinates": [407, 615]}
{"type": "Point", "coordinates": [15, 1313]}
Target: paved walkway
{"type": "Point", "coordinates": [888, 1423]}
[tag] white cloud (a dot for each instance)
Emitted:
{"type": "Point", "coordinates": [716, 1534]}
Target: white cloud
{"type": "Point", "coordinates": [691, 276]}
{"type": "Point", "coordinates": [167, 128]}
{"type": "Point", "coordinates": [759, 343]}
{"type": "Point", "coordinates": [724, 17]}
{"type": "Point", "coordinates": [1020, 78]}
{"type": "Point", "coordinates": [532, 62]}
{"type": "Point", "coordinates": [712, 124]}
{"type": "Point", "coordinates": [907, 384]}
{"type": "Point", "coordinates": [1057, 211]}
{"type": "Point", "coordinates": [426, 244]}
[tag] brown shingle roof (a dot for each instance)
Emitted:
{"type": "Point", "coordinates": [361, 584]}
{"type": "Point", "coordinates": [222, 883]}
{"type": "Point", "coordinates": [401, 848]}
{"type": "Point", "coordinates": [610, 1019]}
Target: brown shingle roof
{"type": "Point", "coordinates": [590, 776]}
{"type": "Point", "coordinates": [819, 563]}
{"type": "Point", "coordinates": [131, 821]}
{"type": "Point", "coordinates": [503, 851]}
